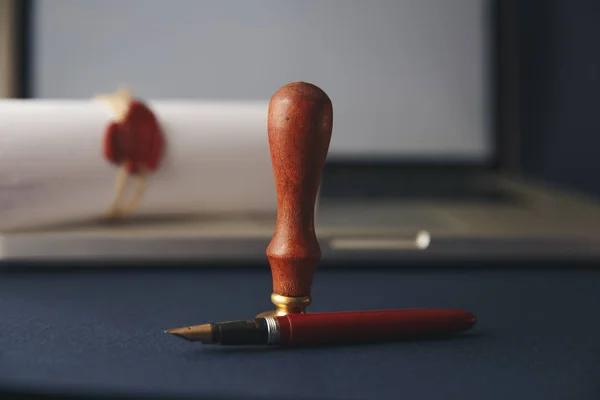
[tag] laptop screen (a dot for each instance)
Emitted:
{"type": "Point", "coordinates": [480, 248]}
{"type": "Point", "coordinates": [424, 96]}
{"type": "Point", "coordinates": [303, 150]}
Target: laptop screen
{"type": "Point", "coordinates": [409, 79]}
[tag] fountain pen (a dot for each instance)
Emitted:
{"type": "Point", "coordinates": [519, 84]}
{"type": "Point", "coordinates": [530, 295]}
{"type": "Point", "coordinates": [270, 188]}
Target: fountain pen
{"type": "Point", "coordinates": [330, 328]}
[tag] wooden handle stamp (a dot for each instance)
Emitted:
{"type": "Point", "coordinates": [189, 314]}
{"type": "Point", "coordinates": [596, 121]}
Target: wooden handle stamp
{"type": "Point", "coordinates": [300, 124]}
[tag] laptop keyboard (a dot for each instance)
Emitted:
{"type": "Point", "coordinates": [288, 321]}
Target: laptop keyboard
{"type": "Point", "coordinates": [411, 184]}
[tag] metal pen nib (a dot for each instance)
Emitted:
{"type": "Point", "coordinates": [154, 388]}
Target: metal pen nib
{"type": "Point", "coordinates": [197, 333]}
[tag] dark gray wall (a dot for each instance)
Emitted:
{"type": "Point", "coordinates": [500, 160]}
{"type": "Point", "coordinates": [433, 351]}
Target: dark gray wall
{"type": "Point", "coordinates": [560, 91]}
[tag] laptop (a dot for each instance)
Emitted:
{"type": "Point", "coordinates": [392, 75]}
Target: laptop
{"type": "Point", "coordinates": [423, 164]}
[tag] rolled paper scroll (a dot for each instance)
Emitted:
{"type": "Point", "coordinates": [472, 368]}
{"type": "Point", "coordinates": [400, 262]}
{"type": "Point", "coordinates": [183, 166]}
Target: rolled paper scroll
{"type": "Point", "coordinates": [53, 167]}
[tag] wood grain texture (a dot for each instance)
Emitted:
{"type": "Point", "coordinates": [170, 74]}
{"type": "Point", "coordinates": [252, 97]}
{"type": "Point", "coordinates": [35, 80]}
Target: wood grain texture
{"type": "Point", "coordinates": [299, 126]}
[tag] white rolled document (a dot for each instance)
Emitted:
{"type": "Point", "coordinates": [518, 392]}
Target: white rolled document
{"type": "Point", "coordinates": [52, 168]}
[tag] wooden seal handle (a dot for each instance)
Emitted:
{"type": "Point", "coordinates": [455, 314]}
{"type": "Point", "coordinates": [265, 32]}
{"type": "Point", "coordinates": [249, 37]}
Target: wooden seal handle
{"type": "Point", "coordinates": [299, 124]}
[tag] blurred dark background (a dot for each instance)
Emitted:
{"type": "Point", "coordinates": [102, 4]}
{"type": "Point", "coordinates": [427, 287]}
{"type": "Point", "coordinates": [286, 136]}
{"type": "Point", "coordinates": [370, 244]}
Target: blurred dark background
{"type": "Point", "coordinates": [559, 88]}
{"type": "Point", "coordinates": [555, 123]}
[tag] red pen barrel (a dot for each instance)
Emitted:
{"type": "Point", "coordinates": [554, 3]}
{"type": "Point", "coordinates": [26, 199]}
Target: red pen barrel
{"type": "Point", "coordinates": [366, 326]}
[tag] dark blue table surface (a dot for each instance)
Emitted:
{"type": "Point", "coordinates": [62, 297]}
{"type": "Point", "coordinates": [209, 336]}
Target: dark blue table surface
{"type": "Point", "coordinates": [101, 331]}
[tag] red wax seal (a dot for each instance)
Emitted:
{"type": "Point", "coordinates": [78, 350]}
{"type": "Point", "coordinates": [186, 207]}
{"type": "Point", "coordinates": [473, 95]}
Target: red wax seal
{"type": "Point", "coordinates": [136, 141]}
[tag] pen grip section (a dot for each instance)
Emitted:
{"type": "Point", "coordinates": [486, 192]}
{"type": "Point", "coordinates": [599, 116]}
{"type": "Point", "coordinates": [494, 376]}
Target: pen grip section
{"type": "Point", "coordinates": [248, 332]}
